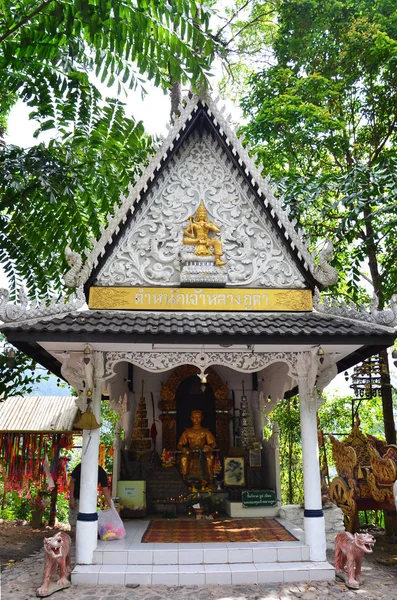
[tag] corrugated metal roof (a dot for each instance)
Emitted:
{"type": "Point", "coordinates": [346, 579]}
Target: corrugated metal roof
{"type": "Point", "coordinates": [38, 413]}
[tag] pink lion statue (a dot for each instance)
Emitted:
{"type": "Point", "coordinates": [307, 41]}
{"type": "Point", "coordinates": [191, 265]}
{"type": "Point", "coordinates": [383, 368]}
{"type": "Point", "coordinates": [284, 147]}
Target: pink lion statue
{"type": "Point", "coordinates": [57, 554]}
{"type": "Point", "coordinates": [349, 550]}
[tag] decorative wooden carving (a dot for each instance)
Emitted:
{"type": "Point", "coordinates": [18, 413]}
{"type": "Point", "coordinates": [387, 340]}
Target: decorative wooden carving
{"type": "Point", "coordinates": [167, 405]}
{"type": "Point", "coordinates": [365, 477]}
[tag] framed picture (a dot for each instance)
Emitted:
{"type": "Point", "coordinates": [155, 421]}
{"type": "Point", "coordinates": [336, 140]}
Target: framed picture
{"type": "Point", "coordinates": [255, 458]}
{"type": "Point", "coordinates": [234, 471]}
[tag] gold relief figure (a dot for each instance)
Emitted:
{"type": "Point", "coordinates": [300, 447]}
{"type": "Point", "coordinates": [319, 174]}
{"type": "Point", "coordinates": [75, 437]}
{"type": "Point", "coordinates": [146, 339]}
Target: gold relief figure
{"type": "Point", "coordinates": [193, 441]}
{"type": "Point", "coordinates": [197, 234]}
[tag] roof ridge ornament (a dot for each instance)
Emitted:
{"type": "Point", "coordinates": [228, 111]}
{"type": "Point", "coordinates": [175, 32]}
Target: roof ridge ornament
{"type": "Point", "coordinates": [11, 312]}
{"type": "Point", "coordinates": [387, 317]}
{"type": "Point", "coordinates": [323, 271]}
{"type": "Point", "coordinates": [78, 273]}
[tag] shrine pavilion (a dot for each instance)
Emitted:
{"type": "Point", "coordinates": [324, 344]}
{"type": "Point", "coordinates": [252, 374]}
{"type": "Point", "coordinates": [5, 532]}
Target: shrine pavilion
{"type": "Point", "coordinates": [200, 295]}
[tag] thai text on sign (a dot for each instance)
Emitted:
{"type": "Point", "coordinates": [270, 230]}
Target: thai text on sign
{"type": "Point", "coordinates": [122, 298]}
{"type": "Point", "coordinates": [259, 498]}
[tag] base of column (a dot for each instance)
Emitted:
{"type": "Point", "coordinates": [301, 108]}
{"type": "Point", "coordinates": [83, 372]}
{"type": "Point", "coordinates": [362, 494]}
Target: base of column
{"type": "Point", "coordinates": [86, 541]}
{"type": "Point", "coordinates": [314, 527]}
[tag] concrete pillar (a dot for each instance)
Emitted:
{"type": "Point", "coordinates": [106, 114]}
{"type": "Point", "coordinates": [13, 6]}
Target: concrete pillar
{"type": "Point", "coordinates": [314, 523]}
{"type": "Point", "coordinates": [116, 459]}
{"type": "Point", "coordinates": [87, 519]}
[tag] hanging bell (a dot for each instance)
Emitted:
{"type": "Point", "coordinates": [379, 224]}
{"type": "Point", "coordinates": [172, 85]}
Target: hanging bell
{"type": "Point", "coordinates": [87, 420]}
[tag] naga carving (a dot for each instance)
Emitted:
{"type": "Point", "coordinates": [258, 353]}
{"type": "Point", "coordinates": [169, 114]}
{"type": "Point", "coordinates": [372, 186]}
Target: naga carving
{"type": "Point", "coordinates": [371, 314]}
{"type": "Point", "coordinates": [77, 274]}
{"type": "Point", "coordinates": [388, 316]}
{"type": "Point", "coordinates": [57, 556]}
{"type": "Point", "coordinates": [10, 311]}
{"type": "Point", "coordinates": [349, 552]}
{"type": "Point", "coordinates": [24, 311]}
{"type": "Point", "coordinates": [324, 272]}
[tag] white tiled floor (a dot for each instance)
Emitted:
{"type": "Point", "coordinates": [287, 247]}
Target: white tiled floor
{"type": "Point", "coordinates": [131, 561]}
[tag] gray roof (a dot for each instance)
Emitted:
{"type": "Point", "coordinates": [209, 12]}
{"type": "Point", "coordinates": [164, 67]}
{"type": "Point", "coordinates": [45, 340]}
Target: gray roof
{"type": "Point", "coordinates": [109, 324]}
{"type": "Point", "coordinates": [39, 414]}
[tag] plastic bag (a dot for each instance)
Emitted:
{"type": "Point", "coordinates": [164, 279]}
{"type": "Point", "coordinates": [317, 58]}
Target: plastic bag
{"type": "Point", "coordinates": [110, 525]}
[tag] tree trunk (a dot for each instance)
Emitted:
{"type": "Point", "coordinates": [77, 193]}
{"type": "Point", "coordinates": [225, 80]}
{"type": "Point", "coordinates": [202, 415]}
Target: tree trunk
{"type": "Point", "coordinates": [176, 99]}
{"type": "Point", "coordinates": [53, 507]}
{"type": "Point", "coordinates": [387, 398]}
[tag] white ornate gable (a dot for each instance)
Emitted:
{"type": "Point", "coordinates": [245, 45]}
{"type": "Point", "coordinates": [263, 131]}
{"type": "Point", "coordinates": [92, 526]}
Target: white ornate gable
{"type": "Point", "coordinates": [148, 251]}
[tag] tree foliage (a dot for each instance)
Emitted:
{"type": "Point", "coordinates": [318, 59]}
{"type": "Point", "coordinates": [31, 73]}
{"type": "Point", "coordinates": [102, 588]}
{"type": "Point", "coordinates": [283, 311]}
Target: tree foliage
{"type": "Point", "coordinates": [18, 375]}
{"type": "Point", "coordinates": [287, 415]}
{"type": "Point", "coordinates": [53, 56]}
{"type": "Point", "coordinates": [323, 119]}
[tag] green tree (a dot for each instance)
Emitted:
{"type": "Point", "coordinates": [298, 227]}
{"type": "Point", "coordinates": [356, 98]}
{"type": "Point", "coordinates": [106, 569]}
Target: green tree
{"type": "Point", "coordinates": [323, 120]}
{"type": "Point", "coordinates": [51, 55]}
{"type": "Point", "coordinates": [286, 414]}
{"type": "Point", "coordinates": [17, 372]}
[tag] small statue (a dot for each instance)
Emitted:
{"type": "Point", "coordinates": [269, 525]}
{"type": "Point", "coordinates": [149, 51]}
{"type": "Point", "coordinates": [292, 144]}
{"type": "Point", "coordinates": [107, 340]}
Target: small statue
{"type": "Point", "coordinates": [197, 234]}
{"type": "Point", "coordinates": [349, 550]}
{"type": "Point", "coordinates": [197, 439]}
{"type": "Point", "coordinates": [57, 554]}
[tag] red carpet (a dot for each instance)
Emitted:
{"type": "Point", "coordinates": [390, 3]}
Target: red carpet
{"type": "Point", "coordinates": [225, 530]}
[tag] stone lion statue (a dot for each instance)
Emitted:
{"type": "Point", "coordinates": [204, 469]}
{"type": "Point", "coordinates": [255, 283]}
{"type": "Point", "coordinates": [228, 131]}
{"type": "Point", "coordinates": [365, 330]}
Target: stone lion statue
{"type": "Point", "coordinates": [57, 554]}
{"type": "Point", "coordinates": [349, 551]}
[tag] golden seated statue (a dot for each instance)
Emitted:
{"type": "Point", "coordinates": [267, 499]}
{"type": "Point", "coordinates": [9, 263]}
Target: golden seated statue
{"type": "Point", "coordinates": [197, 234]}
{"type": "Point", "coordinates": [197, 444]}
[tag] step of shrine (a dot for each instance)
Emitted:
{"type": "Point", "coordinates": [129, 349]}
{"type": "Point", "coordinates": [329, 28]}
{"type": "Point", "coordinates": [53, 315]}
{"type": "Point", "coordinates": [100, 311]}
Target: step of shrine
{"type": "Point", "coordinates": [129, 561]}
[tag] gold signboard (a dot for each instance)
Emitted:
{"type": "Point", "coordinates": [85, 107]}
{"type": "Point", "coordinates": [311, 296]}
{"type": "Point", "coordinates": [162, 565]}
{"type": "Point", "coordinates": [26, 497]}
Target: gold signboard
{"type": "Point", "coordinates": [194, 299]}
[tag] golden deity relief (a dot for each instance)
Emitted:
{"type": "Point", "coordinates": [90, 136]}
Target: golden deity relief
{"type": "Point", "coordinates": [198, 234]}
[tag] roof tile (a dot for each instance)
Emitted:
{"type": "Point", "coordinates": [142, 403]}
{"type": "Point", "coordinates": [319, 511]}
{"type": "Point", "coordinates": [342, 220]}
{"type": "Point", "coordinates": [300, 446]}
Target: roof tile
{"type": "Point", "coordinates": [180, 323]}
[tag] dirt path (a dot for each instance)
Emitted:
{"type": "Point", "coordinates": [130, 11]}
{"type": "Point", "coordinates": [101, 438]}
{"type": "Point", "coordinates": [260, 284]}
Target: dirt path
{"type": "Point", "coordinates": [17, 540]}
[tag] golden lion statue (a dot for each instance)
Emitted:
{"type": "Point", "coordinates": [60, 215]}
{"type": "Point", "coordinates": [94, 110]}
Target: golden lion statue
{"type": "Point", "coordinates": [349, 550]}
{"type": "Point", "coordinates": [57, 554]}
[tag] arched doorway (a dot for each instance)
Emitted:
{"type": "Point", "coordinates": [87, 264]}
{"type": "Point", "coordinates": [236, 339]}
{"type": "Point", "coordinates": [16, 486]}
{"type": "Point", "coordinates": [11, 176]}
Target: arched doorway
{"type": "Point", "coordinates": [168, 406]}
{"type": "Point", "coordinates": [190, 396]}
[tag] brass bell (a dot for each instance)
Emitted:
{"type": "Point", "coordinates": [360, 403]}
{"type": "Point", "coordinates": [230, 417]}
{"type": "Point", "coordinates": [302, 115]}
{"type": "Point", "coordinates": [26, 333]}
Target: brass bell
{"type": "Point", "coordinates": [87, 419]}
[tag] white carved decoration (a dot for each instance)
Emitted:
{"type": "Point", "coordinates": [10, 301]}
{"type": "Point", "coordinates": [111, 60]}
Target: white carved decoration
{"type": "Point", "coordinates": [326, 375]}
{"type": "Point", "coordinates": [148, 252]}
{"type": "Point", "coordinates": [120, 405]}
{"type": "Point", "coordinates": [323, 271]}
{"type": "Point", "coordinates": [274, 438]}
{"type": "Point", "coordinates": [307, 367]}
{"type": "Point", "coordinates": [244, 362]}
{"type": "Point", "coordinates": [98, 360]}
{"type": "Point", "coordinates": [10, 312]}
{"type": "Point", "coordinates": [79, 275]}
{"type": "Point", "coordinates": [386, 318]}
{"type": "Point", "coordinates": [72, 369]}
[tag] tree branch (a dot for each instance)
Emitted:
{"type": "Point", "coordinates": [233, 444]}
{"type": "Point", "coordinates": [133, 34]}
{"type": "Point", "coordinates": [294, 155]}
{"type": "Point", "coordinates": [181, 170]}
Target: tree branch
{"type": "Point", "coordinates": [384, 141]}
{"type": "Point", "coordinates": [25, 20]}
{"type": "Point", "coordinates": [218, 33]}
{"type": "Point", "coordinates": [247, 25]}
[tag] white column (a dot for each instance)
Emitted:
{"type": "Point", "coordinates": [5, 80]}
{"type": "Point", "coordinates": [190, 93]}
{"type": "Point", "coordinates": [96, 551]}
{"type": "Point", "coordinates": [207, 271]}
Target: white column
{"type": "Point", "coordinates": [87, 519]}
{"type": "Point", "coordinates": [116, 459]}
{"type": "Point", "coordinates": [314, 523]}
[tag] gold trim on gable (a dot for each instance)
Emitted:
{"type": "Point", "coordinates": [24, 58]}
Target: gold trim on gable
{"type": "Point", "coordinates": [197, 299]}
